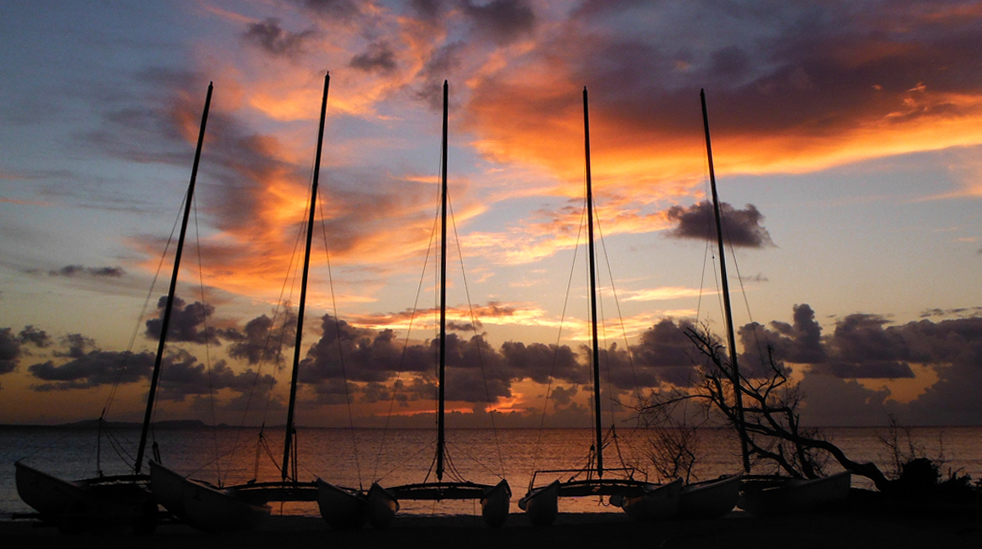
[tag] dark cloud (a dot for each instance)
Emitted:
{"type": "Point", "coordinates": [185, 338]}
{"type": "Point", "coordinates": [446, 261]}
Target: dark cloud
{"type": "Point", "coordinates": [271, 37]}
{"type": "Point", "coordinates": [93, 368]}
{"type": "Point", "coordinates": [861, 337]}
{"type": "Point", "coordinates": [378, 58]}
{"type": "Point", "coordinates": [563, 396]}
{"type": "Point", "coordinates": [876, 369]}
{"type": "Point", "coordinates": [952, 348]}
{"type": "Point", "coordinates": [182, 375]}
{"type": "Point", "coordinates": [187, 323]}
{"type": "Point", "coordinates": [429, 10]}
{"type": "Point", "coordinates": [538, 362]}
{"type": "Point", "coordinates": [12, 346]}
{"type": "Point", "coordinates": [664, 354]}
{"type": "Point", "coordinates": [866, 346]}
{"type": "Point", "coordinates": [9, 351]}
{"type": "Point", "coordinates": [798, 343]}
{"type": "Point", "coordinates": [444, 61]}
{"type": "Point", "coordinates": [845, 64]}
{"type": "Point", "coordinates": [501, 21]}
{"type": "Point", "coordinates": [740, 227]}
{"type": "Point", "coordinates": [859, 348]}
{"type": "Point", "coordinates": [784, 82]}
{"type": "Point", "coordinates": [355, 354]}
{"type": "Point", "coordinates": [77, 346]}
{"type": "Point", "coordinates": [259, 342]}
{"type": "Point", "coordinates": [834, 401]}
{"type": "Point", "coordinates": [38, 338]}
{"type": "Point", "coordinates": [475, 373]}
{"type": "Point", "coordinates": [959, 311]}
{"type": "Point", "coordinates": [79, 270]}
{"type": "Point", "coordinates": [463, 326]}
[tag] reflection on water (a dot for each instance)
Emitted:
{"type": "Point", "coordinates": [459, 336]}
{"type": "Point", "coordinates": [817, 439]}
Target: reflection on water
{"type": "Point", "coordinates": [357, 457]}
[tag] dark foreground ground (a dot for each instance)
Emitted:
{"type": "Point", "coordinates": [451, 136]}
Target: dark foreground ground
{"type": "Point", "coordinates": [856, 527]}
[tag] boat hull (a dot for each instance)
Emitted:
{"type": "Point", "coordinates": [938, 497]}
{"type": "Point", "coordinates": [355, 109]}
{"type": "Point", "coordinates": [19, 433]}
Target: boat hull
{"type": "Point", "coordinates": [541, 505]}
{"type": "Point", "coordinates": [657, 502]}
{"type": "Point", "coordinates": [168, 489]}
{"type": "Point", "coordinates": [202, 506]}
{"type": "Point", "coordinates": [795, 495]}
{"type": "Point", "coordinates": [382, 506]}
{"type": "Point", "coordinates": [86, 504]}
{"type": "Point", "coordinates": [496, 504]}
{"type": "Point", "coordinates": [342, 508]}
{"type": "Point", "coordinates": [47, 494]}
{"type": "Point", "coordinates": [214, 510]}
{"type": "Point", "coordinates": [711, 499]}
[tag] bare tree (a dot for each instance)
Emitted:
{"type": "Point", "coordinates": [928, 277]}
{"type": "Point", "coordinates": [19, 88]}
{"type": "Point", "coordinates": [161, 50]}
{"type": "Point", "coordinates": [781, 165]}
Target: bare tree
{"type": "Point", "coordinates": [775, 438]}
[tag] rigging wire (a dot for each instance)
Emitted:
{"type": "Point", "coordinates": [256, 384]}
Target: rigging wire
{"type": "Point", "coordinates": [405, 348]}
{"type": "Point", "coordinates": [559, 337]}
{"type": "Point", "coordinates": [208, 370]}
{"type": "Point", "coordinates": [610, 355]}
{"type": "Point", "coordinates": [480, 355]}
{"type": "Point", "coordinates": [153, 413]}
{"type": "Point", "coordinates": [337, 329]}
{"type": "Point", "coordinates": [128, 355]}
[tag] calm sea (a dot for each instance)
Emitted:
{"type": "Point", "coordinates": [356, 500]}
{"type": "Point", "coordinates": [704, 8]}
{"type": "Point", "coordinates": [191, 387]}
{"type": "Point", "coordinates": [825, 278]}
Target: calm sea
{"type": "Point", "coordinates": [357, 457]}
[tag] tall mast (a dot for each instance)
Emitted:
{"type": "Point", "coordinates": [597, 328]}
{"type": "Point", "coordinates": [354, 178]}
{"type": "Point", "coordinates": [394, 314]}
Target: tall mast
{"type": "Point", "coordinates": [443, 288]}
{"type": "Point", "coordinates": [303, 286]}
{"type": "Point", "coordinates": [593, 288]}
{"type": "Point", "coordinates": [726, 292]}
{"type": "Point", "coordinates": [165, 321]}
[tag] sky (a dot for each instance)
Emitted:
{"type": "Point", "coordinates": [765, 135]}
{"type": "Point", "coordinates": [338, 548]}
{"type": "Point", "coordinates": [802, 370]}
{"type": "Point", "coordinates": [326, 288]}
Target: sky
{"type": "Point", "coordinates": [847, 141]}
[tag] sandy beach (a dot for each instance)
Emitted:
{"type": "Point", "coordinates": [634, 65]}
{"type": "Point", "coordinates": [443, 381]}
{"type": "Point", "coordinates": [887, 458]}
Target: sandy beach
{"type": "Point", "coordinates": [883, 528]}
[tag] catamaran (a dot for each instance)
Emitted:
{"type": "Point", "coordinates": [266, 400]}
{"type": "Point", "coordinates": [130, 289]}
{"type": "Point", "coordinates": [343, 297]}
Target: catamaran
{"type": "Point", "coordinates": [245, 506]}
{"type": "Point", "coordinates": [383, 503]}
{"type": "Point", "coordinates": [103, 500]}
{"type": "Point", "coordinates": [767, 495]}
{"type": "Point", "coordinates": [640, 499]}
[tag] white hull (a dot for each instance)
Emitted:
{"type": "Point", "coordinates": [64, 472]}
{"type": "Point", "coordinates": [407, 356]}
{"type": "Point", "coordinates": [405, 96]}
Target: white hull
{"type": "Point", "coordinates": [541, 505]}
{"type": "Point", "coordinates": [709, 499]}
{"type": "Point", "coordinates": [47, 494]}
{"type": "Point", "coordinates": [81, 504]}
{"type": "Point", "coordinates": [496, 504]}
{"type": "Point", "coordinates": [341, 508]}
{"type": "Point", "coordinates": [658, 502]}
{"type": "Point", "coordinates": [204, 507]}
{"type": "Point", "coordinates": [168, 488]}
{"type": "Point", "coordinates": [382, 506]}
{"type": "Point", "coordinates": [795, 495]}
{"type": "Point", "coordinates": [216, 510]}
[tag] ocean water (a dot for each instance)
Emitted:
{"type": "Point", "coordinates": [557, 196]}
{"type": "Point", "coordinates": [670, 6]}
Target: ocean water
{"type": "Point", "coordinates": [357, 457]}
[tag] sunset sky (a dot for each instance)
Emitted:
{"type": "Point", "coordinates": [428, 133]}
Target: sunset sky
{"type": "Point", "coordinates": [847, 139]}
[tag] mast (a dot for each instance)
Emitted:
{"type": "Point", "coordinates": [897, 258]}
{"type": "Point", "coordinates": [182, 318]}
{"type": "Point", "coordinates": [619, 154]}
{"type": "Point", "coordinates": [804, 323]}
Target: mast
{"type": "Point", "coordinates": [165, 321]}
{"type": "Point", "coordinates": [303, 286]}
{"type": "Point", "coordinates": [440, 441]}
{"type": "Point", "coordinates": [593, 288]}
{"type": "Point", "coordinates": [726, 291]}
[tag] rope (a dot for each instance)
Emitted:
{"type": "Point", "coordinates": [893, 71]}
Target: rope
{"type": "Point", "coordinates": [211, 386]}
{"type": "Point", "coordinates": [559, 336]}
{"type": "Point", "coordinates": [337, 323]}
{"type": "Point", "coordinates": [480, 355]}
{"type": "Point", "coordinates": [405, 349]}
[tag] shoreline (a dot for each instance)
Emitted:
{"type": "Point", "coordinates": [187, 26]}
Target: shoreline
{"type": "Point", "coordinates": [737, 530]}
